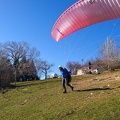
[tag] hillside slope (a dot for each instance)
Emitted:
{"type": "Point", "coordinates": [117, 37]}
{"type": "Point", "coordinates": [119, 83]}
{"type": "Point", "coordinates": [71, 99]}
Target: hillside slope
{"type": "Point", "coordinates": [95, 97]}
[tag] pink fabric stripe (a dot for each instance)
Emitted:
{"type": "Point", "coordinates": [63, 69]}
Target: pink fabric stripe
{"type": "Point", "coordinates": [82, 14]}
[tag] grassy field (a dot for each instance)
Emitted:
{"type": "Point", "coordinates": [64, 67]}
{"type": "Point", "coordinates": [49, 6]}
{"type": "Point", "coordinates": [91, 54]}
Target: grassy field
{"type": "Point", "coordinates": [95, 97]}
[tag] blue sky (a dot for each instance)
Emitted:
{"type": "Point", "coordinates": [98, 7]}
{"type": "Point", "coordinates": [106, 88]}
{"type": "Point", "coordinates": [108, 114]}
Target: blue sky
{"type": "Point", "coordinates": [32, 21]}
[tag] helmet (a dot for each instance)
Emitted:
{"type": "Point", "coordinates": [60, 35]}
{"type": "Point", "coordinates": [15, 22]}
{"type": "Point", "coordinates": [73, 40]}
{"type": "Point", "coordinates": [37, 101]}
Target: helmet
{"type": "Point", "coordinates": [59, 66]}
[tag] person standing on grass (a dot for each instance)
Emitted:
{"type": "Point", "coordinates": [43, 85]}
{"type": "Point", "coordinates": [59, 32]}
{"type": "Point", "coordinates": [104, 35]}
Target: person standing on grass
{"type": "Point", "coordinates": [65, 78]}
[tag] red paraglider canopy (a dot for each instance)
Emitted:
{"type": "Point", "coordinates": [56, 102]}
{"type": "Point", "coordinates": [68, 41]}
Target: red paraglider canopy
{"type": "Point", "coordinates": [85, 13]}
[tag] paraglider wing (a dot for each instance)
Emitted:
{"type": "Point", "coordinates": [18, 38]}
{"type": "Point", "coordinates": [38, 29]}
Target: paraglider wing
{"type": "Point", "coordinates": [85, 13]}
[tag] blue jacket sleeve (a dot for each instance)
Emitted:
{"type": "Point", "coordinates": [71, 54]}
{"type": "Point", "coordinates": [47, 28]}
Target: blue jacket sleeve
{"type": "Point", "coordinates": [64, 73]}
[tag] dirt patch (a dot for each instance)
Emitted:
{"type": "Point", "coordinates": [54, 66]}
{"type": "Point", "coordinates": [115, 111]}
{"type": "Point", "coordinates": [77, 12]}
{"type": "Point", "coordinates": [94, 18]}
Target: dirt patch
{"type": "Point", "coordinates": [101, 81]}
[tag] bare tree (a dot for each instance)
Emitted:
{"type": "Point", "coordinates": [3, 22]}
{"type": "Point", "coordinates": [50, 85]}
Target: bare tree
{"type": "Point", "coordinates": [38, 65]}
{"type": "Point", "coordinates": [45, 67]}
{"type": "Point", "coordinates": [28, 70]}
{"type": "Point", "coordinates": [73, 66]}
{"type": "Point", "coordinates": [109, 54]}
{"type": "Point", "coordinates": [15, 51]}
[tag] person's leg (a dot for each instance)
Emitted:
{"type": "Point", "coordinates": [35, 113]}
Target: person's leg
{"type": "Point", "coordinates": [68, 84]}
{"type": "Point", "coordinates": [63, 84]}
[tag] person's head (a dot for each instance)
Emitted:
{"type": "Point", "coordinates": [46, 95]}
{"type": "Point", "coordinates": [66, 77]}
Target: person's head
{"type": "Point", "coordinates": [60, 67]}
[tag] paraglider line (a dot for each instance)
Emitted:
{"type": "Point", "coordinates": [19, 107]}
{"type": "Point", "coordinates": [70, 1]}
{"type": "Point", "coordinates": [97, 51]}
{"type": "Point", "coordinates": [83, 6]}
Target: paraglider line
{"type": "Point", "coordinates": [114, 29]}
{"type": "Point", "coordinates": [60, 32]}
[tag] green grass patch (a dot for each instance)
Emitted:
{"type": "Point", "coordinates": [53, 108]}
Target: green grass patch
{"type": "Point", "coordinates": [95, 97]}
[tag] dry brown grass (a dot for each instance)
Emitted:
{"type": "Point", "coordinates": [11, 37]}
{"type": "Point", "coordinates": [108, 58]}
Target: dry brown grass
{"type": "Point", "coordinates": [110, 79]}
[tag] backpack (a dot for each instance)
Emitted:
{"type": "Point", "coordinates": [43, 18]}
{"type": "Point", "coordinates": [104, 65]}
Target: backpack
{"type": "Point", "coordinates": [68, 75]}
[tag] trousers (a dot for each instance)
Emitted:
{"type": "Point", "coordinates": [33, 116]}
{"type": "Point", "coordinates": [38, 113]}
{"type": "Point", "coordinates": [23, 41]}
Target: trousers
{"type": "Point", "coordinates": [65, 81]}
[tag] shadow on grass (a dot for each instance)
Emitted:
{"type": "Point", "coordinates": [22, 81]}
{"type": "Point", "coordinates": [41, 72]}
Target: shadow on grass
{"type": "Point", "coordinates": [30, 83]}
{"type": "Point", "coordinates": [25, 84]}
{"type": "Point", "coordinates": [94, 89]}
{"type": "Point", "coordinates": [12, 86]}
{"type": "Point", "coordinates": [3, 90]}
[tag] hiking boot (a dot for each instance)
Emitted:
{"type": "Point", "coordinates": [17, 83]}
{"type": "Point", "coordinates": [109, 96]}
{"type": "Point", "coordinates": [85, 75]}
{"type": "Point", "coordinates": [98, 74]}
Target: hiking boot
{"type": "Point", "coordinates": [72, 88]}
{"type": "Point", "coordinates": [64, 92]}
